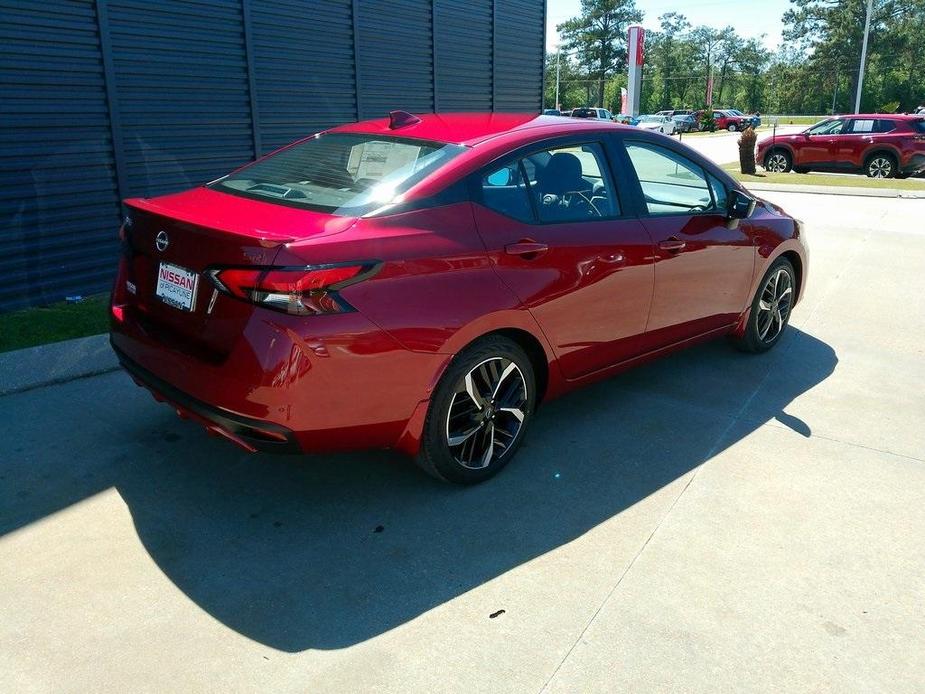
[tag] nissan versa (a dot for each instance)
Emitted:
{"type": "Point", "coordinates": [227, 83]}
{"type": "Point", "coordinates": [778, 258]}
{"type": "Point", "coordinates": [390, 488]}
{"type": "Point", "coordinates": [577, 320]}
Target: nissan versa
{"type": "Point", "coordinates": [425, 282]}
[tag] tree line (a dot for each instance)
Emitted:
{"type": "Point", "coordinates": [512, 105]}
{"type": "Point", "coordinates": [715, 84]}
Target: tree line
{"type": "Point", "coordinates": [814, 70]}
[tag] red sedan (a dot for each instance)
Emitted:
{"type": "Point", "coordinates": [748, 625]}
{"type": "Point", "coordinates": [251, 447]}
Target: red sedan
{"type": "Point", "coordinates": [881, 146]}
{"type": "Point", "coordinates": [424, 283]}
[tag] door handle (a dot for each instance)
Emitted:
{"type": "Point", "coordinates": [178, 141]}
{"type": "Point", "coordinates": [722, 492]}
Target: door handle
{"type": "Point", "coordinates": [673, 244]}
{"type": "Point", "coordinates": [612, 258]}
{"type": "Point", "coordinates": [526, 249]}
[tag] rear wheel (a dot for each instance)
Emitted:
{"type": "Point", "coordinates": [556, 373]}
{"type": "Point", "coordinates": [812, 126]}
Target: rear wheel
{"type": "Point", "coordinates": [778, 161]}
{"type": "Point", "coordinates": [880, 166]}
{"type": "Point", "coordinates": [479, 412]}
{"type": "Point", "coordinates": [770, 312]}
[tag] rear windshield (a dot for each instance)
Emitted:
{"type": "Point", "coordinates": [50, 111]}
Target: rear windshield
{"type": "Point", "coordinates": [341, 174]}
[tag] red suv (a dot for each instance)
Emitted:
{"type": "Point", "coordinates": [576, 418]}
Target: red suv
{"type": "Point", "coordinates": [882, 146]}
{"type": "Point", "coordinates": [425, 282]}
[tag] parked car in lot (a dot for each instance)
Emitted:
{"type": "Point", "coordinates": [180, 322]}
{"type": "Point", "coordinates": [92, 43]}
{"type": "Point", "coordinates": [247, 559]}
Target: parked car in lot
{"type": "Point", "coordinates": [754, 119]}
{"type": "Point", "coordinates": [425, 283]}
{"type": "Point", "coordinates": [593, 113]}
{"type": "Point", "coordinates": [661, 124]}
{"type": "Point", "coordinates": [685, 123]}
{"type": "Point", "coordinates": [625, 119]}
{"type": "Point", "coordinates": [671, 113]}
{"type": "Point", "coordinates": [881, 146]}
{"type": "Point", "coordinates": [724, 120]}
{"type": "Point", "coordinates": [551, 112]}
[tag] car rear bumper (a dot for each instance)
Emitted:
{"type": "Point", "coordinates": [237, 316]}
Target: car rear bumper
{"type": "Point", "coordinates": [251, 434]}
{"type": "Point", "coordinates": [288, 383]}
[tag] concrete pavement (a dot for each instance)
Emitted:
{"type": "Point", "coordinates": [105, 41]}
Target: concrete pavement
{"type": "Point", "coordinates": [713, 522]}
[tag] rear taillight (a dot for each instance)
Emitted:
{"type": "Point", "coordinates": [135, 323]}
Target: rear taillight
{"type": "Point", "coordinates": [303, 291]}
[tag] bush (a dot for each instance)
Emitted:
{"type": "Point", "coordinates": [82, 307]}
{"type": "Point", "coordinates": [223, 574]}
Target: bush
{"type": "Point", "coordinates": [747, 150]}
{"type": "Point", "coordinates": [708, 121]}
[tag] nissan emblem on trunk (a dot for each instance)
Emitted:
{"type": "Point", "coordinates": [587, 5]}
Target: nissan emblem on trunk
{"type": "Point", "coordinates": [161, 241]}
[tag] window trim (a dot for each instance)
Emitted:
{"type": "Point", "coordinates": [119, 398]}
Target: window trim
{"type": "Point", "coordinates": [532, 148]}
{"type": "Point", "coordinates": [644, 207]}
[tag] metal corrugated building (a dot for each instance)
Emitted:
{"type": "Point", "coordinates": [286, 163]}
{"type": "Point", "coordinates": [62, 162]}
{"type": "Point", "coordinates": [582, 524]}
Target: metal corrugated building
{"type": "Point", "coordinates": [106, 99]}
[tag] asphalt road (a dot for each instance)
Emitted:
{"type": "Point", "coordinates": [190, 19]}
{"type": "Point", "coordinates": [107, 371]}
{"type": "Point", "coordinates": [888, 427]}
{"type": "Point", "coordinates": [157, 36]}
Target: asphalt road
{"type": "Point", "coordinates": [714, 522]}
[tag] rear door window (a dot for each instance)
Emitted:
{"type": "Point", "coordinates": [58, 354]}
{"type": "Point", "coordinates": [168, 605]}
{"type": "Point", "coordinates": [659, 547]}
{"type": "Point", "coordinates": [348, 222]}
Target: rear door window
{"type": "Point", "coordinates": [862, 126]}
{"type": "Point", "coordinates": [573, 185]}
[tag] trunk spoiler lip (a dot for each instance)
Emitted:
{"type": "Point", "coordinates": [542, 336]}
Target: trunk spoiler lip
{"type": "Point", "coordinates": [267, 239]}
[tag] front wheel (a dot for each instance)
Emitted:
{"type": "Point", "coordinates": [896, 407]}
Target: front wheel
{"type": "Point", "coordinates": [732, 127]}
{"type": "Point", "coordinates": [479, 412]}
{"type": "Point", "coordinates": [770, 311]}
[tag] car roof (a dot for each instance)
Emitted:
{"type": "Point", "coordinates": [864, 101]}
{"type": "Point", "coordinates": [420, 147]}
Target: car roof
{"type": "Point", "coordinates": [882, 116]}
{"type": "Point", "coordinates": [470, 129]}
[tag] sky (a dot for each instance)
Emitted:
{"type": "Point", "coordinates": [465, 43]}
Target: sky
{"type": "Point", "coordinates": [750, 18]}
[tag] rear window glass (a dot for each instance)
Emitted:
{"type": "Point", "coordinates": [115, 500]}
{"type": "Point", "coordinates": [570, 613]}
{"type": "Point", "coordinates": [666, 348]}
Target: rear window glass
{"type": "Point", "coordinates": [918, 125]}
{"type": "Point", "coordinates": [340, 173]}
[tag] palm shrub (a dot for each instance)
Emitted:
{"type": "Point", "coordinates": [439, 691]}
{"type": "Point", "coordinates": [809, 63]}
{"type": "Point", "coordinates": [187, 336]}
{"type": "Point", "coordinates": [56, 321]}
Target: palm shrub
{"type": "Point", "coordinates": [747, 141]}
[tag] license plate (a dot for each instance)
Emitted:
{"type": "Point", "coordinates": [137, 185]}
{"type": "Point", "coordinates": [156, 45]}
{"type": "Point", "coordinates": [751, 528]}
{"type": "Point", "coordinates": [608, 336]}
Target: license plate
{"type": "Point", "coordinates": [176, 286]}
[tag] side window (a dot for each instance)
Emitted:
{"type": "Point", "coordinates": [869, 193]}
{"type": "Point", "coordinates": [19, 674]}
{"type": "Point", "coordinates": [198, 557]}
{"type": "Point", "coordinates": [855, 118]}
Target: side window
{"type": "Point", "coordinates": [670, 183]}
{"type": "Point", "coordinates": [885, 126]}
{"type": "Point", "coordinates": [828, 127]}
{"type": "Point", "coordinates": [572, 184]}
{"type": "Point", "coordinates": [504, 191]}
{"type": "Point", "coordinates": [862, 125]}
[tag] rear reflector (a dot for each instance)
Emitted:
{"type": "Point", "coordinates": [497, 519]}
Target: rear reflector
{"type": "Point", "coordinates": [299, 291]}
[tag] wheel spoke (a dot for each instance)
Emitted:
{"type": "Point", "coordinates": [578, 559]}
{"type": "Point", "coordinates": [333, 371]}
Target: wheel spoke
{"type": "Point", "coordinates": [474, 393]}
{"type": "Point", "coordinates": [764, 305]}
{"type": "Point", "coordinates": [490, 448]}
{"type": "Point", "coordinates": [514, 411]}
{"type": "Point", "coordinates": [511, 368]}
{"type": "Point", "coordinates": [460, 439]}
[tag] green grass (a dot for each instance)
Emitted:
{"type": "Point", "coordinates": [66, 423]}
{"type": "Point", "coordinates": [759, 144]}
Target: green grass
{"type": "Point", "coordinates": [813, 179]}
{"type": "Point", "coordinates": [53, 323]}
{"type": "Point", "coordinates": [797, 120]}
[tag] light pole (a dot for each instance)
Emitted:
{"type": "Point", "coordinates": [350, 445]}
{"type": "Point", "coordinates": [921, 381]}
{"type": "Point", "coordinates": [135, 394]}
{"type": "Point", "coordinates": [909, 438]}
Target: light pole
{"type": "Point", "coordinates": [558, 54]}
{"type": "Point", "coordinates": [857, 99]}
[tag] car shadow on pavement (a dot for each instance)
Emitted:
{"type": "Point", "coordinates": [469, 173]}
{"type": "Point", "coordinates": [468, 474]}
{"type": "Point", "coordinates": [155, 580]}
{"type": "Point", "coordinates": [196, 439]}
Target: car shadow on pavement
{"type": "Point", "coordinates": [328, 551]}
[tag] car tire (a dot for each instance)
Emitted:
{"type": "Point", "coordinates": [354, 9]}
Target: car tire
{"type": "Point", "coordinates": [880, 165]}
{"type": "Point", "coordinates": [770, 310]}
{"type": "Point", "coordinates": [778, 161]}
{"type": "Point", "coordinates": [484, 401]}
{"type": "Point", "coordinates": [732, 127]}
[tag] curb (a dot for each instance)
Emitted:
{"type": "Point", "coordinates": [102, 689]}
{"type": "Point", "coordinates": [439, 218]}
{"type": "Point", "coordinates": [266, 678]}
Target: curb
{"type": "Point", "coordinates": [837, 190]}
{"type": "Point", "coordinates": [56, 363]}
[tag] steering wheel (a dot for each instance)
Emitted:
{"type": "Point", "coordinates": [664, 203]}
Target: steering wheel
{"type": "Point", "coordinates": [569, 199]}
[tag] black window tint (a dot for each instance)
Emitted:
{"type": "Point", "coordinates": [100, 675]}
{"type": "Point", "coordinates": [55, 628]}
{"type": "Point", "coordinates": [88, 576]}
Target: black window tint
{"type": "Point", "coordinates": [670, 183]}
{"type": "Point", "coordinates": [573, 185]}
{"type": "Point", "coordinates": [886, 126]}
{"type": "Point", "coordinates": [918, 125]}
{"type": "Point", "coordinates": [503, 191]}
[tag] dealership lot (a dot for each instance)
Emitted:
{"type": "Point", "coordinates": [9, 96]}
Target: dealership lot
{"type": "Point", "coordinates": [711, 522]}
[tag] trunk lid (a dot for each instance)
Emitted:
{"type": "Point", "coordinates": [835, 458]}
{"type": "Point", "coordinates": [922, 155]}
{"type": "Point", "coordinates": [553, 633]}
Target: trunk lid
{"type": "Point", "coordinates": [204, 229]}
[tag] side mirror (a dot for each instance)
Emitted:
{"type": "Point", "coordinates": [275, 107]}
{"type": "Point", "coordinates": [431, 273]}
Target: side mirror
{"type": "Point", "coordinates": [741, 206]}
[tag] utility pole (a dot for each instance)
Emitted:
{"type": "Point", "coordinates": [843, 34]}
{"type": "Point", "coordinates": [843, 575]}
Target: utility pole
{"type": "Point", "coordinates": [857, 100]}
{"type": "Point", "coordinates": [558, 54]}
